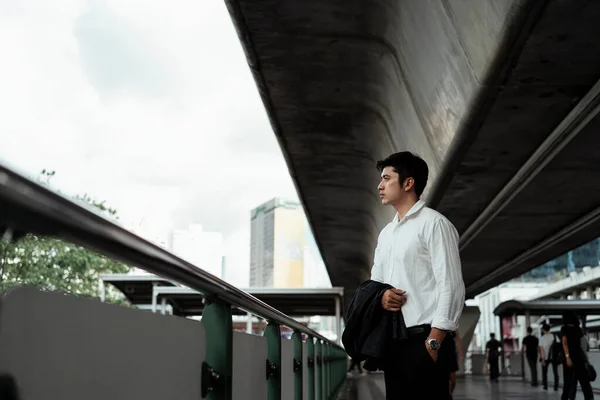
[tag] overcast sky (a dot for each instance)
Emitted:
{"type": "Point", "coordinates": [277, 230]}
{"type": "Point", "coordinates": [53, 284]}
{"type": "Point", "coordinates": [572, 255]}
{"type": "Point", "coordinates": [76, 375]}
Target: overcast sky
{"type": "Point", "coordinates": [147, 104]}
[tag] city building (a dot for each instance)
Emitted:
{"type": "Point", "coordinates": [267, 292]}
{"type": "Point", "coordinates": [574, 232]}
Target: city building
{"type": "Point", "coordinates": [204, 249]}
{"type": "Point", "coordinates": [277, 231]}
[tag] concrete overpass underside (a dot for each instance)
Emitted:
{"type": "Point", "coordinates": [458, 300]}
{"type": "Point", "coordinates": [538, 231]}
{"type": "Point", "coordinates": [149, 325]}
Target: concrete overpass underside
{"type": "Point", "coordinates": [499, 97]}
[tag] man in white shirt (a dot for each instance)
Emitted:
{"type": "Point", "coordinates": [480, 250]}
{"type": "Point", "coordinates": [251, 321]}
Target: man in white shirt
{"type": "Point", "coordinates": [417, 253]}
{"type": "Point", "coordinates": [546, 342]}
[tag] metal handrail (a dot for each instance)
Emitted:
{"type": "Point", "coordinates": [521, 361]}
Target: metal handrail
{"type": "Point", "coordinates": [29, 207]}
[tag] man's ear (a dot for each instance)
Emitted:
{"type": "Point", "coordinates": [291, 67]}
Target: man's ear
{"type": "Point", "coordinates": [409, 183]}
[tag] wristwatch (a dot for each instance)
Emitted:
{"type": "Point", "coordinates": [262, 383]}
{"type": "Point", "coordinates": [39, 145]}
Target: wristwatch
{"type": "Point", "coordinates": [433, 344]}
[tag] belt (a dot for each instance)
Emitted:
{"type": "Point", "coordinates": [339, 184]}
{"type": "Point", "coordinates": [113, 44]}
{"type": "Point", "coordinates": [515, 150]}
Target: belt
{"type": "Point", "coordinates": [418, 329]}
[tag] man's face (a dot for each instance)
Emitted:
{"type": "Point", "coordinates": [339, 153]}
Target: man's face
{"type": "Point", "coordinates": [390, 187]}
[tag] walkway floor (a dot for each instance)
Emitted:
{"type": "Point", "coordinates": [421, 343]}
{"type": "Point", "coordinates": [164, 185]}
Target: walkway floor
{"type": "Point", "coordinates": [371, 387]}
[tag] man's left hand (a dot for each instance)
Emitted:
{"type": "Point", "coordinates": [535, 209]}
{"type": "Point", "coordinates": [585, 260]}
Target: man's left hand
{"type": "Point", "coordinates": [432, 353]}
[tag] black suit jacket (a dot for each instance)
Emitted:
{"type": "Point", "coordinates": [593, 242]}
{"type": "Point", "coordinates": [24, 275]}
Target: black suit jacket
{"type": "Point", "coordinates": [371, 330]}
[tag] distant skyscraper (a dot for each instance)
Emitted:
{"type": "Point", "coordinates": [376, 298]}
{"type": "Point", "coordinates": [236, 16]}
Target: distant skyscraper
{"type": "Point", "coordinates": [277, 244]}
{"type": "Point", "coordinates": [202, 248]}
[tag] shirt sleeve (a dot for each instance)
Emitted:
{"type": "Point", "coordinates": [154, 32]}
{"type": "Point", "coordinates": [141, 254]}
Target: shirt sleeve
{"type": "Point", "coordinates": [377, 270]}
{"type": "Point", "coordinates": [442, 245]}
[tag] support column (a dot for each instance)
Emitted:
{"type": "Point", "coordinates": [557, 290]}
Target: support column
{"type": "Point", "coordinates": [590, 292]}
{"type": "Point", "coordinates": [102, 291]}
{"type": "Point", "coordinates": [249, 323]}
{"type": "Point", "coordinates": [154, 299]}
{"type": "Point", "coordinates": [338, 320]}
{"type": "Point", "coordinates": [273, 335]}
{"type": "Point", "coordinates": [217, 368]}
{"type": "Point", "coordinates": [297, 340]}
{"type": "Point", "coordinates": [163, 305]}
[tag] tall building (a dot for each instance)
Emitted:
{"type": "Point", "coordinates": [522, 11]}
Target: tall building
{"type": "Point", "coordinates": [202, 248]}
{"type": "Point", "coordinates": [277, 244]}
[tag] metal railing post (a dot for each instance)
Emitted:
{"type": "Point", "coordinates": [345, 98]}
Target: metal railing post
{"type": "Point", "coordinates": [310, 359]}
{"type": "Point", "coordinates": [273, 335]}
{"type": "Point", "coordinates": [217, 367]}
{"type": "Point", "coordinates": [327, 371]}
{"type": "Point", "coordinates": [297, 339]}
{"type": "Point", "coordinates": [319, 369]}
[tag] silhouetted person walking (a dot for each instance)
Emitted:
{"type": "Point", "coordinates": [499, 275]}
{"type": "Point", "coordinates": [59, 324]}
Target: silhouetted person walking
{"type": "Point", "coordinates": [574, 368]}
{"type": "Point", "coordinates": [493, 350]}
{"type": "Point", "coordinates": [530, 348]}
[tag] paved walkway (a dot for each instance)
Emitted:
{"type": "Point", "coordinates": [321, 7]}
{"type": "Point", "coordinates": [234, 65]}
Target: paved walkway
{"type": "Point", "coordinates": [371, 387]}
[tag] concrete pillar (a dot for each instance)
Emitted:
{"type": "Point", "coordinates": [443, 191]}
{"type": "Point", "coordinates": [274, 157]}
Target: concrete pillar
{"type": "Point", "coordinates": [576, 295]}
{"type": "Point", "coordinates": [102, 291]}
{"type": "Point", "coordinates": [591, 294]}
{"type": "Point", "coordinates": [249, 323]}
{"type": "Point", "coordinates": [163, 305]}
{"type": "Point", "coordinates": [154, 299]}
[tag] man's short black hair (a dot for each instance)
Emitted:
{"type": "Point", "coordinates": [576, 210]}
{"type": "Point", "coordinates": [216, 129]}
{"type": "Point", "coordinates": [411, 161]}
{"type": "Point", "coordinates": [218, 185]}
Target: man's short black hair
{"type": "Point", "coordinates": [492, 335]}
{"type": "Point", "coordinates": [570, 318]}
{"type": "Point", "coordinates": [546, 328]}
{"type": "Point", "coordinates": [407, 165]}
{"type": "Point", "coordinates": [529, 329]}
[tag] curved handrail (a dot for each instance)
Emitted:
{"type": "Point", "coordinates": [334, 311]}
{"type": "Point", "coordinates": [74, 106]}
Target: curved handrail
{"type": "Point", "coordinates": [30, 207]}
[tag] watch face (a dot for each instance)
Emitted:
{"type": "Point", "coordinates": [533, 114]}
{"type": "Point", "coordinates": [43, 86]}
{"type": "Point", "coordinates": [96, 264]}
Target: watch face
{"type": "Point", "coordinates": [433, 344]}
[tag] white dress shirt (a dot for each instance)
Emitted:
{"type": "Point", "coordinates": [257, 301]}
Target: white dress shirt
{"type": "Point", "coordinates": [545, 343]}
{"type": "Point", "coordinates": [419, 254]}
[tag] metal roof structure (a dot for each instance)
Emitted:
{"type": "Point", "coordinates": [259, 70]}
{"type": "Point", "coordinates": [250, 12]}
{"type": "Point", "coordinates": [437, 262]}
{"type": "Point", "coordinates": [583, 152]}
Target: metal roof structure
{"type": "Point", "coordinates": [150, 289]}
{"type": "Point", "coordinates": [548, 307]}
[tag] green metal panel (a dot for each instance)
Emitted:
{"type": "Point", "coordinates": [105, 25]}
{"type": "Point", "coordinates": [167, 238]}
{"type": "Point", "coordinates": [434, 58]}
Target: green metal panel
{"type": "Point", "coordinates": [273, 335]}
{"type": "Point", "coordinates": [338, 370]}
{"type": "Point", "coordinates": [310, 359]}
{"type": "Point", "coordinates": [297, 339]}
{"type": "Point", "coordinates": [319, 369]}
{"type": "Point", "coordinates": [216, 379]}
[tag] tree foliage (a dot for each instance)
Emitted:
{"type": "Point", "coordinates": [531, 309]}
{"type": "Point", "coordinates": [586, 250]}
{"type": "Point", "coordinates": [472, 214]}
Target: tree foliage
{"type": "Point", "coordinates": [53, 264]}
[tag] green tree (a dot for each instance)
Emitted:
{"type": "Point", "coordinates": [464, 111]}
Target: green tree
{"type": "Point", "coordinates": [53, 264]}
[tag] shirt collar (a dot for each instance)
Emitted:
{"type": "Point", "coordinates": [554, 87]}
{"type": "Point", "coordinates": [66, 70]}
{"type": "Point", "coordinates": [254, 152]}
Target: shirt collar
{"type": "Point", "coordinates": [413, 210]}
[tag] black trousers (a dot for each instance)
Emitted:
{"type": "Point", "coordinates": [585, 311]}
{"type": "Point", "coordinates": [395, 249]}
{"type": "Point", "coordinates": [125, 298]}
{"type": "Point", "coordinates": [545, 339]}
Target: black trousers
{"type": "Point", "coordinates": [533, 367]}
{"type": "Point", "coordinates": [411, 373]}
{"type": "Point", "coordinates": [545, 368]}
{"type": "Point", "coordinates": [494, 368]}
{"type": "Point", "coordinates": [571, 377]}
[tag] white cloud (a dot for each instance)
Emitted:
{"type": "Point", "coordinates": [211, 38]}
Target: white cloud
{"type": "Point", "coordinates": [147, 104]}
